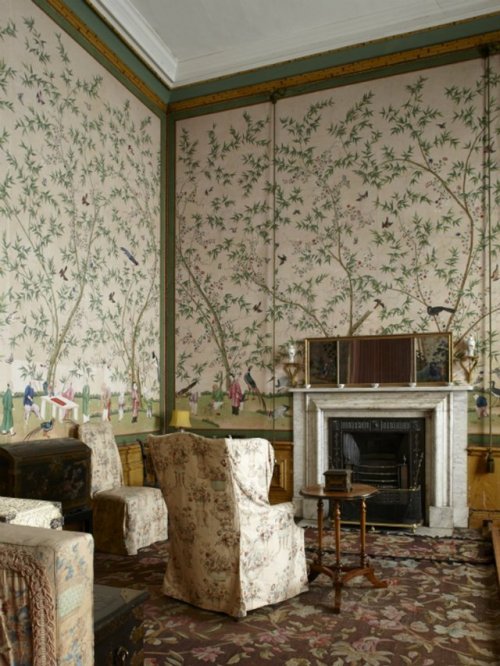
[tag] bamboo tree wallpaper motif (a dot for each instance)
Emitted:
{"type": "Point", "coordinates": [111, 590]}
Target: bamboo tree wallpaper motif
{"type": "Point", "coordinates": [379, 227]}
{"type": "Point", "coordinates": [79, 206]}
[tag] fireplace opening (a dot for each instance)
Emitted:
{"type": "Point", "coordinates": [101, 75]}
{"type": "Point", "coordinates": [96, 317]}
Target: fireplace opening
{"type": "Point", "coordinates": [385, 453]}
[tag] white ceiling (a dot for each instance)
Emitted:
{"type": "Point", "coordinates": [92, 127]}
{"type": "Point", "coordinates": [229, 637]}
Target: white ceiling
{"type": "Point", "coordinates": [187, 41]}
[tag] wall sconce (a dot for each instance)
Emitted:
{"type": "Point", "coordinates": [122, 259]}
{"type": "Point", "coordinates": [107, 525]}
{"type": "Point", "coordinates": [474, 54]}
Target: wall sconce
{"type": "Point", "coordinates": [180, 419]}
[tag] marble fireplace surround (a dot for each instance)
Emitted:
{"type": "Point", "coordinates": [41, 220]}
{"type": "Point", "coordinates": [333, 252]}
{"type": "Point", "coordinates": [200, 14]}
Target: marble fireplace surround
{"type": "Point", "coordinates": [445, 411]}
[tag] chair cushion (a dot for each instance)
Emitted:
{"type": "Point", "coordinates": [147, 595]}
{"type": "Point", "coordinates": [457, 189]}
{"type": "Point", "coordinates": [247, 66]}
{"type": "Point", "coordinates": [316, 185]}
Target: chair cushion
{"type": "Point", "coordinates": [128, 518]}
{"type": "Point", "coordinates": [34, 512]}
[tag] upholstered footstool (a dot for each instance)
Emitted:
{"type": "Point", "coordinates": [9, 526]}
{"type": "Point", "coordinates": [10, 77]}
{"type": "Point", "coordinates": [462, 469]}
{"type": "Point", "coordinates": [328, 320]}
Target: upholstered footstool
{"type": "Point", "coordinates": [31, 512]}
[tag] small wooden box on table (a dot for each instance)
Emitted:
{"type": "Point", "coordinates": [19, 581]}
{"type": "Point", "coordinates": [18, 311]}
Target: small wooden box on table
{"type": "Point", "coordinates": [339, 573]}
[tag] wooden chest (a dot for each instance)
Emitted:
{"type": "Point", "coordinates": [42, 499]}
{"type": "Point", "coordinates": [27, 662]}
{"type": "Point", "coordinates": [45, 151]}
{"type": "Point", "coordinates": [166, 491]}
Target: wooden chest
{"type": "Point", "coordinates": [118, 625]}
{"type": "Point", "coordinates": [47, 469]}
{"type": "Point", "coordinates": [133, 468]}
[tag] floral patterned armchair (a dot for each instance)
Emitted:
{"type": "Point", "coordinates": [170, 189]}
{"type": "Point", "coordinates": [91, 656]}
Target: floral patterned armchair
{"type": "Point", "coordinates": [125, 518]}
{"type": "Point", "coordinates": [229, 549]}
{"type": "Point", "coordinates": [46, 592]}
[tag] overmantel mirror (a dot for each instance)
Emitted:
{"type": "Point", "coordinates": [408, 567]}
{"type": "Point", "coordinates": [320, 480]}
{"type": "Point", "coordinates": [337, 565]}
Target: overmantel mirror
{"type": "Point", "coordinates": [405, 359]}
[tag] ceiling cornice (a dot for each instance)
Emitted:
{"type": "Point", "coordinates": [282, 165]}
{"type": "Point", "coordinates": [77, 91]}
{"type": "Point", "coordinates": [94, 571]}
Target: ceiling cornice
{"type": "Point", "coordinates": [124, 17]}
{"type": "Point", "coordinates": [414, 58]}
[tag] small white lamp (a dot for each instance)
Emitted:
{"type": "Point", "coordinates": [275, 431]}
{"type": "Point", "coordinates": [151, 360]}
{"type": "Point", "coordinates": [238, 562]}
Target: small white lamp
{"type": "Point", "coordinates": [180, 419]}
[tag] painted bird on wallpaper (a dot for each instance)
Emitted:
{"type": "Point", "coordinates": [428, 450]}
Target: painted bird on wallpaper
{"type": "Point", "coordinates": [186, 389]}
{"type": "Point", "coordinates": [45, 427]}
{"type": "Point", "coordinates": [437, 309]}
{"type": "Point", "coordinates": [129, 255]}
{"type": "Point", "coordinates": [252, 387]}
{"type": "Point", "coordinates": [280, 411]}
{"type": "Point", "coordinates": [62, 273]}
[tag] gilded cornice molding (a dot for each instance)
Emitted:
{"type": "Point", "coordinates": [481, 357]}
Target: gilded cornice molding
{"type": "Point", "coordinates": [360, 67]}
{"type": "Point", "coordinates": [77, 24]}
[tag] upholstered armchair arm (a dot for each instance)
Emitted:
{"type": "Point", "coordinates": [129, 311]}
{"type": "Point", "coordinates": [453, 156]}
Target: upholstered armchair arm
{"type": "Point", "coordinates": [46, 587]}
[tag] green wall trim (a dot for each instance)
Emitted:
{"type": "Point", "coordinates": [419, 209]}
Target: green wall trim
{"type": "Point", "coordinates": [168, 365]}
{"type": "Point", "coordinates": [369, 50]}
{"type": "Point", "coordinates": [327, 84]}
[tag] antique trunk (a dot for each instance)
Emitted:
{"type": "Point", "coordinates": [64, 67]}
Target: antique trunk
{"type": "Point", "coordinates": [48, 469]}
{"type": "Point", "coordinates": [118, 625]}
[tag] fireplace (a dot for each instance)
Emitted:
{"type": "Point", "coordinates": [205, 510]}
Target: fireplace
{"type": "Point", "coordinates": [388, 453]}
{"type": "Point", "coordinates": [443, 414]}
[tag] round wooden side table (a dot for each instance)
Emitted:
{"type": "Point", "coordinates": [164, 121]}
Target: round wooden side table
{"type": "Point", "coordinates": [339, 573]}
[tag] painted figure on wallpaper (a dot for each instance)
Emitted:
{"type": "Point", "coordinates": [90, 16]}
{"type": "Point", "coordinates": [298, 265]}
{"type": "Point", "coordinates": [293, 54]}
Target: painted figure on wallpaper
{"type": "Point", "coordinates": [235, 395]}
{"type": "Point", "coordinates": [121, 405]}
{"type": "Point", "coordinates": [8, 406]}
{"type": "Point", "coordinates": [105, 402]}
{"type": "Point", "coordinates": [86, 244]}
{"type": "Point", "coordinates": [86, 402]}
{"type": "Point", "coordinates": [217, 398]}
{"type": "Point", "coordinates": [136, 402]}
{"type": "Point", "coordinates": [69, 392]}
{"type": "Point", "coordinates": [481, 402]}
{"type": "Point", "coordinates": [29, 403]}
{"type": "Point", "coordinates": [194, 397]}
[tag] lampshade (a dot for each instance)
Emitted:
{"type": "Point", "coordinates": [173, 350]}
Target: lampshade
{"type": "Point", "coordinates": [180, 419]}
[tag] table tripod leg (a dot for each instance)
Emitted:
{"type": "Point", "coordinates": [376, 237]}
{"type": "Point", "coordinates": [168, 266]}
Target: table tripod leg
{"type": "Point", "coordinates": [337, 535]}
{"type": "Point", "coordinates": [320, 531]}
{"type": "Point", "coordinates": [362, 550]}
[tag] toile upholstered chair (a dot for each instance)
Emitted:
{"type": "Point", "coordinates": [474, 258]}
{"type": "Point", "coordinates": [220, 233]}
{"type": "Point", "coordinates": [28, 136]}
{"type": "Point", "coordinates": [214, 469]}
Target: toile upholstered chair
{"type": "Point", "coordinates": [125, 518]}
{"type": "Point", "coordinates": [229, 549]}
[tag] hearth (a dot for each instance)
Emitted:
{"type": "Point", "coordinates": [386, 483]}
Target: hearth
{"type": "Point", "coordinates": [388, 454]}
{"type": "Point", "coordinates": [443, 475]}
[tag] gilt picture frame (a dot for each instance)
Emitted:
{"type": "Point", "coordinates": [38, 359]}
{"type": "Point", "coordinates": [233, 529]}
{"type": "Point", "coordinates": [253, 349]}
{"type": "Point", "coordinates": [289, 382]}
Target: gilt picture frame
{"type": "Point", "coordinates": [397, 360]}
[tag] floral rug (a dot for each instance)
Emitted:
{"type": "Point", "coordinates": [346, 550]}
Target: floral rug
{"type": "Point", "coordinates": [441, 608]}
{"type": "Point", "coordinates": [465, 546]}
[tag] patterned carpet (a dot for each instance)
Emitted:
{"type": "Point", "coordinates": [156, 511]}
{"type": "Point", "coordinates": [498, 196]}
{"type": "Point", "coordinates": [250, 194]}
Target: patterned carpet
{"type": "Point", "coordinates": [441, 608]}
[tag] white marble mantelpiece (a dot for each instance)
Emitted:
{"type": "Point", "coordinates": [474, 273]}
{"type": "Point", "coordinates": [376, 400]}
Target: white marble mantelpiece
{"type": "Point", "coordinates": [445, 411]}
